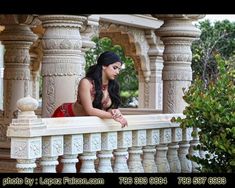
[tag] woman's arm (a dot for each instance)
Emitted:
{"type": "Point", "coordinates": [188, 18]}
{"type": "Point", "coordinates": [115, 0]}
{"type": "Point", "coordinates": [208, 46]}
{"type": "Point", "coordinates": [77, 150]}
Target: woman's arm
{"type": "Point", "coordinates": [86, 100]}
{"type": "Point", "coordinates": [84, 90]}
{"type": "Point", "coordinates": [117, 116]}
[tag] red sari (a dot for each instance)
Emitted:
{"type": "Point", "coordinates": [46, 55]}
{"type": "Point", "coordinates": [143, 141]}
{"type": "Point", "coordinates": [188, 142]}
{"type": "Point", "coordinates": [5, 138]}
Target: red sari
{"type": "Point", "coordinates": [64, 110]}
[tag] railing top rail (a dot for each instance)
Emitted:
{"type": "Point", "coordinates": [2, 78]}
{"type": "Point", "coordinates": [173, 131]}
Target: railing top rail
{"type": "Point", "coordinates": [89, 124]}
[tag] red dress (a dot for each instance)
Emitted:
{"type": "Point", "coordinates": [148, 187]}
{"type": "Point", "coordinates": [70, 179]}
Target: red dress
{"type": "Point", "coordinates": [65, 110]}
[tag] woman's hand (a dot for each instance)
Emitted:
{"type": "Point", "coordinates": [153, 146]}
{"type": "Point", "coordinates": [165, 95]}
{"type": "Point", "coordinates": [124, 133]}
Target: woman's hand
{"type": "Point", "coordinates": [117, 116]}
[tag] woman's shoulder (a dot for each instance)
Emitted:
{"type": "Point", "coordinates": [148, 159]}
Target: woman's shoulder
{"type": "Point", "coordinates": [86, 84]}
{"type": "Point", "coordinates": [86, 81]}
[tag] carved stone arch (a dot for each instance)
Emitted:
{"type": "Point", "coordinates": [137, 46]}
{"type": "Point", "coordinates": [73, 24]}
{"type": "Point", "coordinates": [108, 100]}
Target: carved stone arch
{"type": "Point", "coordinates": [132, 48]}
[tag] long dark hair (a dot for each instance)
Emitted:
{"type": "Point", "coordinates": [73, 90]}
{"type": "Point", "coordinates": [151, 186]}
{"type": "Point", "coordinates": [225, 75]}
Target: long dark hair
{"type": "Point", "coordinates": [95, 73]}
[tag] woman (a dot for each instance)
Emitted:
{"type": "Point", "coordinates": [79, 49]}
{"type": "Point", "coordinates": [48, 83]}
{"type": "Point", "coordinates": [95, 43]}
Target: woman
{"type": "Point", "coordinates": [98, 92]}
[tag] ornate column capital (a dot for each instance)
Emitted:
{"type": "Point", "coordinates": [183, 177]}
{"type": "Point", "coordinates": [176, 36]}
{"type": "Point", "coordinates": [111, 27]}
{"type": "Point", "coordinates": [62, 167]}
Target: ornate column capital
{"type": "Point", "coordinates": [23, 19]}
{"type": "Point", "coordinates": [192, 17]}
{"type": "Point", "coordinates": [17, 27]}
{"type": "Point", "coordinates": [89, 29]}
{"type": "Point", "coordinates": [178, 25]}
{"type": "Point", "coordinates": [62, 21]}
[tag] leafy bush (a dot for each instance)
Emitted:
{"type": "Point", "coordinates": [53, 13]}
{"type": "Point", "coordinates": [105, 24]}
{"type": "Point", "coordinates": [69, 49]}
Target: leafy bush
{"type": "Point", "coordinates": [211, 109]}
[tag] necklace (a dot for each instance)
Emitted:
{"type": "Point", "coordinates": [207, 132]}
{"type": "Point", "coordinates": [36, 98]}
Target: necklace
{"type": "Point", "coordinates": [104, 87]}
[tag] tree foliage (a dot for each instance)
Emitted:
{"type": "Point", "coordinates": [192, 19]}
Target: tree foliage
{"type": "Point", "coordinates": [211, 109]}
{"type": "Point", "coordinates": [128, 76]}
{"type": "Point", "coordinates": [210, 99]}
{"type": "Point", "coordinates": [217, 38]}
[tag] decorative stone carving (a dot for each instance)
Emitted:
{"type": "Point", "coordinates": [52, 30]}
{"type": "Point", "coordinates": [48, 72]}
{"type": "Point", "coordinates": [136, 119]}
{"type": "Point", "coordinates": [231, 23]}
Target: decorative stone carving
{"type": "Point", "coordinates": [92, 142]}
{"type": "Point", "coordinates": [139, 138]}
{"type": "Point", "coordinates": [109, 141]}
{"type": "Point", "coordinates": [52, 146]}
{"type": "Point", "coordinates": [73, 144]}
{"type": "Point", "coordinates": [26, 148]}
{"type": "Point", "coordinates": [124, 139]}
{"type": "Point", "coordinates": [27, 104]}
{"type": "Point", "coordinates": [49, 95]}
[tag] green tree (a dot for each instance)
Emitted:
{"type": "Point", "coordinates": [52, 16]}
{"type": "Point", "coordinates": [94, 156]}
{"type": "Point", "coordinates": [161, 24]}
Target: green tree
{"type": "Point", "coordinates": [211, 109]}
{"type": "Point", "coordinates": [217, 38]}
{"type": "Point", "coordinates": [128, 76]}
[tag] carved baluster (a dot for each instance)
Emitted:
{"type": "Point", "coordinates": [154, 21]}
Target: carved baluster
{"type": "Point", "coordinates": [186, 165]}
{"type": "Point", "coordinates": [173, 147]}
{"type": "Point", "coordinates": [52, 148]}
{"type": "Point", "coordinates": [121, 154]}
{"type": "Point", "coordinates": [91, 144]}
{"type": "Point", "coordinates": [161, 154]}
{"type": "Point", "coordinates": [193, 143]}
{"type": "Point", "coordinates": [73, 145]}
{"type": "Point", "coordinates": [135, 161]}
{"type": "Point", "coordinates": [149, 151]}
{"type": "Point", "coordinates": [108, 144]}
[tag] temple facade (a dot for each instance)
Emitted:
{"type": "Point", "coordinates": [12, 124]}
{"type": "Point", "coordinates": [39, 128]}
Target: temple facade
{"type": "Point", "coordinates": [53, 47]}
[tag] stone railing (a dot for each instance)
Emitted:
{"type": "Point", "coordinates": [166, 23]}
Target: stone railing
{"type": "Point", "coordinates": [150, 143]}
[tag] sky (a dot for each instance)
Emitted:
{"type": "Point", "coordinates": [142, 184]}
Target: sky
{"type": "Point", "coordinates": [219, 17]}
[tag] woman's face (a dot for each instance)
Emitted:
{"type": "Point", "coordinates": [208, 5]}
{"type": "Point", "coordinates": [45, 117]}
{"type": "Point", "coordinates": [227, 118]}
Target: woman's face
{"type": "Point", "coordinates": [111, 71]}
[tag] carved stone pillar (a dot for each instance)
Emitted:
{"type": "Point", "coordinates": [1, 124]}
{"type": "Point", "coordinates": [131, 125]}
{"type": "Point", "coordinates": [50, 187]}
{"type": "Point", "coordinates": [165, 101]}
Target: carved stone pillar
{"type": "Point", "coordinates": [17, 39]}
{"type": "Point", "coordinates": [156, 65]}
{"type": "Point", "coordinates": [1, 75]}
{"type": "Point", "coordinates": [177, 34]}
{"type": "Point", "coordinates": [62, 60]}
{"type": "Point", "coordinates": [35, 66]}
{"type": "Point", "coordinates": [88, 31]}
{"type": "Point", "coordinates": [35, 75]}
